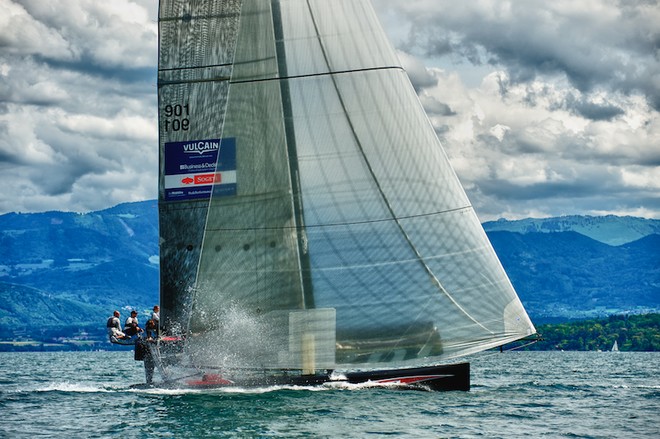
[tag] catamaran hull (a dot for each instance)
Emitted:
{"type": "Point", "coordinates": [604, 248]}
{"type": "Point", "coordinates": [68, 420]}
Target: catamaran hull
{"type": "Point", "coordinates": [432, 378]}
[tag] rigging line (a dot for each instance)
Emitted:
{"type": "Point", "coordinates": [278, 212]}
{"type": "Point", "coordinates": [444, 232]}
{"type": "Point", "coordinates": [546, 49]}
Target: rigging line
{"type": "Point", "coordinates": [313, 75]}
{"type": "Point", "coordinates": [162, 83]}
{"type": "Point", "coordinates": [514, 348]}
{"type": "Point", "coordinates": [208, 66]}
{"type": "Point", "coordinates": [353, 223]}
{"type": "Point", "coordinates": [388, 205]}
{"type": "Point", "coordinates": [292, 159]}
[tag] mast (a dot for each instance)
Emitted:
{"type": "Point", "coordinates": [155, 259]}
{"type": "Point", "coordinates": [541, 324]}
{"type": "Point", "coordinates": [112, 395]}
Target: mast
{"type": "Point", "coordinates": [308, 295]}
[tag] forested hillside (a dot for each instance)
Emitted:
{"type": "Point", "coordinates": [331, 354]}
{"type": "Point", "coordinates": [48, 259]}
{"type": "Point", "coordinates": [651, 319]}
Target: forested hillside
{"type": "Point", "coordinates": [632, 333]}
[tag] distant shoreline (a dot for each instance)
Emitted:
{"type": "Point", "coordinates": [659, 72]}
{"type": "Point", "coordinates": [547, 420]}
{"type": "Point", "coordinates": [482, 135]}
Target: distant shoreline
{"type": "Point", "coordinates": [633, 333]}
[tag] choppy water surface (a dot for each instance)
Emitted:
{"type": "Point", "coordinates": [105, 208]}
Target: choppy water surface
{"type": "Point", "coordinates": [514, 395]}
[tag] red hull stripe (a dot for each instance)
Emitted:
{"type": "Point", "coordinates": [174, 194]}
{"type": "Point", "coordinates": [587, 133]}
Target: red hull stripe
{"type": "Point", "coordinates": [210, 380]}
{"type": "Point", "coordinates": [411, 379]}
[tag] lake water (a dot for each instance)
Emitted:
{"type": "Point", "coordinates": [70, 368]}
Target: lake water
{"type": "Point", "coordinates": [514, 395]}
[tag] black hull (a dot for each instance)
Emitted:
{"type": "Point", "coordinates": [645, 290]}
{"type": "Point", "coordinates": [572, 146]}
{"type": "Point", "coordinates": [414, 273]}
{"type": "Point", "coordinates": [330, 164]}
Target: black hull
{"type": "Point", "coordinates": [432, 378]}
{"type": "Point", "coordinates": [437, 378]}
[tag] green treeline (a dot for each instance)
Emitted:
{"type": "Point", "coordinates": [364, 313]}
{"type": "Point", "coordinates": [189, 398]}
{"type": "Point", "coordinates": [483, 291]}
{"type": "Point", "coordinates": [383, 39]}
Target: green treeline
{"type": "Point", "coordinates": [631, 332]}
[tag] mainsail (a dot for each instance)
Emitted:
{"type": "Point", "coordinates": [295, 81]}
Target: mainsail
{"type": "Point", "coordinates": [331, 231]}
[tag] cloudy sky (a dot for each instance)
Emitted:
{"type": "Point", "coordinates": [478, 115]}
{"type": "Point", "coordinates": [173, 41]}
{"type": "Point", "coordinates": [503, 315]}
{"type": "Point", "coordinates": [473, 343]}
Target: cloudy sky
{"type": "Point", "coordinates": [545, 108]}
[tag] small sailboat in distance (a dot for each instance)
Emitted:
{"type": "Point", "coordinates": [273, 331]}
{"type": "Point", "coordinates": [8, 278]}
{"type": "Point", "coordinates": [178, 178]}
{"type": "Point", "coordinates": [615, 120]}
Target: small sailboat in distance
{"type": "Point", "coordinates": [615, 346]}
{"type": "Point", "coordinates": [311, 227]}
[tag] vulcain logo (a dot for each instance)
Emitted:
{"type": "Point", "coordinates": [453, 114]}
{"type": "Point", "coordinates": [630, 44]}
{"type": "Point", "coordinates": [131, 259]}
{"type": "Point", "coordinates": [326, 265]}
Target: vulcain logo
{"type": "Point", "coordinates": [201, 147]}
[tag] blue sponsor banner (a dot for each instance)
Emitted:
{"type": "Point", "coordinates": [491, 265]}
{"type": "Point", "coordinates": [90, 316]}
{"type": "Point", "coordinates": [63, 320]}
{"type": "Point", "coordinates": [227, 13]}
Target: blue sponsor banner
{"type": "Point", "coordinates": [191, 172]}
{"type": "Point", "coordinates": [200, 156]}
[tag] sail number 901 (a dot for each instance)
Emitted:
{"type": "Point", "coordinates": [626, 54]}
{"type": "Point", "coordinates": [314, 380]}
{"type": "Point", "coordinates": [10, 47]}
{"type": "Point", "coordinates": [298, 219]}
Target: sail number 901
{"type": "Point", "coordinates": [176, 117]}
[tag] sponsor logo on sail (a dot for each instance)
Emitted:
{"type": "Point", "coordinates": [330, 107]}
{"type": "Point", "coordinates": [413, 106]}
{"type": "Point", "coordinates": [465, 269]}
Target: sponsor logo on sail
{"type": "Point", "coordinates": [197, 168]}
{"type": "Point", "coordinates": [202, 179]}
{"type": "Point", "coordinates": [201, 147]}
{"type": "Point", "coordinates": [208, 178]}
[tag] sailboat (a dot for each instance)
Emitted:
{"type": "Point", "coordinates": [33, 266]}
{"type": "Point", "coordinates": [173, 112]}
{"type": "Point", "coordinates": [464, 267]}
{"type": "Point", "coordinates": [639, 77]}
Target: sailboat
{"type": "Point", "coordinates": [615, 346]}
{"type": "Point", "coordinates": [312, 229]}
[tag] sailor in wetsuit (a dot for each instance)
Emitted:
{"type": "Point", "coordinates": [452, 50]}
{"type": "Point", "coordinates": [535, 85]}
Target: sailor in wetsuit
{"type": "Point", "coordinates": [144, 352]}
{"type": "Point", "coordinates": [114, 329]}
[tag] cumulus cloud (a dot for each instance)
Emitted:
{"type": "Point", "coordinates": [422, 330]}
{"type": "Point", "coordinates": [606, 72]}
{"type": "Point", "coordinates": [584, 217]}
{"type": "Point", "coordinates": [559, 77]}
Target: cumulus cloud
{"type": "Point", "coordinates": [23, 34]}
{"type": "Point", "coordinates": [565, 119]}
{"type": "Point", "coordinates": [77, 120]}
{"type": "Point", "coordinates": [114, 34]}
{"type": "Point", "coordinates": [595, 44]}
{"type": "Point", "coordinates": [521, 156]}
{"type": "Point", "coordinates": [544, 108]}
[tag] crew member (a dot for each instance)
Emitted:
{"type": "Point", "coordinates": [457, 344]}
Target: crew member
{"type": "Point", "coordinates": [143, 352]}
{"type": "Point", "coordinates": [132, 327]}
{"type": "Point", "coordinates": [155, 316]}
{"type": "Point", "coordinates": [152, 330]}
{"type": "Point", "coordinates": [114, 329]}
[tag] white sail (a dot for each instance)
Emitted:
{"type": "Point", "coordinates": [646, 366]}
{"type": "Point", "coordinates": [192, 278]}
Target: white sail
{"type": "Point", "coordinates": [345, 238]}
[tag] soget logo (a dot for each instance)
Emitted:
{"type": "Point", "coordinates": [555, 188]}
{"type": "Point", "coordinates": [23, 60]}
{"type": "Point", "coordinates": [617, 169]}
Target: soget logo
{"type": "Point", "coordinates": [203, 179]}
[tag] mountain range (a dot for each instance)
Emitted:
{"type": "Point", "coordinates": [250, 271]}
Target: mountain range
{"type": "Point", "coordinates": [575, 267]}
{"type": "Point", "coordinates": [610, 229]}
{"type": "Point", "coordinates": [64, 273]}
